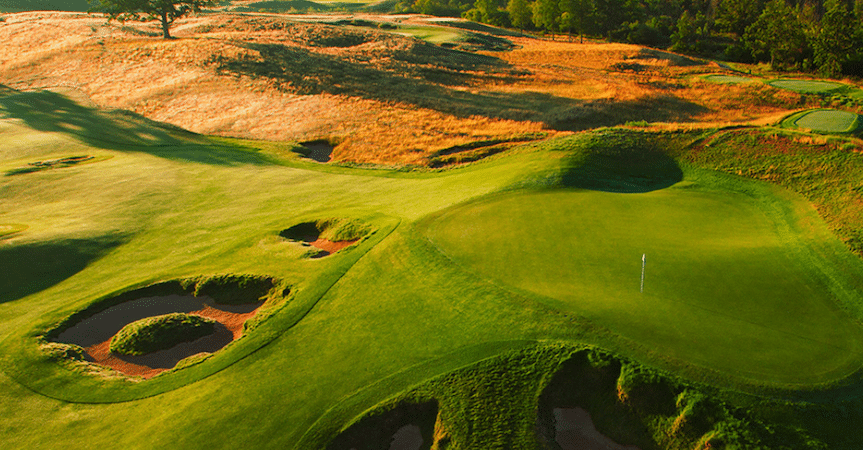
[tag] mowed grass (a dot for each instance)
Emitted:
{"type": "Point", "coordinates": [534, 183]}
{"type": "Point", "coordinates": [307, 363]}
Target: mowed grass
{"type": "Point", "coordinates": [807, 86]}
{"type": "Point", "coordinates": [362, 326]}
{"type": "Point", "coordinates": [827, 121]}
{"type": "Point", "coordinates": [719, 272]}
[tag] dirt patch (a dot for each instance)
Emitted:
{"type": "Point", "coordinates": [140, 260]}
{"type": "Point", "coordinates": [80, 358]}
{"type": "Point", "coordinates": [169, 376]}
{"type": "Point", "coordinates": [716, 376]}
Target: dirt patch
{"type": "Point", "coordinates": [94, 333]}
{"type": "Point", "coordinates": [574, 430]}
{"type": "Point", "coordinates": [330, 246]}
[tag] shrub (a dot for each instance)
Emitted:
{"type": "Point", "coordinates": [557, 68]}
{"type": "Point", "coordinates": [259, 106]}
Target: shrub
{"type": "Point", "coordinates": [159, 333]}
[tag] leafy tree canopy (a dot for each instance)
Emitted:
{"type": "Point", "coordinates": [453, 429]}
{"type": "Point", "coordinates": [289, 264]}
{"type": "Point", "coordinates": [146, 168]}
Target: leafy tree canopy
{"type": "Point", "coordinates": [167, 11]}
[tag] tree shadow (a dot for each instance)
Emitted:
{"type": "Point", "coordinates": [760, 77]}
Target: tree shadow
{"type": "Point", "coordinates": [53, 112]}
{"type": "Point", "coordinates": [444, 80]}
{"type": "Point", "coordinates": [34, 267]}
{"type": "Point", "coordinates": [624, 163]}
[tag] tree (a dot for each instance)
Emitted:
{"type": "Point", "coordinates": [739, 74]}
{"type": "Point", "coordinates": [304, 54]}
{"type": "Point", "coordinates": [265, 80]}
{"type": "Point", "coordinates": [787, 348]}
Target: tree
{"type": "Point", "coordinates": [777, 34]}
{"type": "Point", "coordinates": [835, 43]}
{"type": "Point", "coordinates": [546, 15]}
{"type": "Point", "coordinates": [736, 15]}
{"type": "Point", "coordinates": [519, 13]}
{"type": "Point", "coordinates": [167, 11]}
{"type": "Point", "coordinates": [576, 16]}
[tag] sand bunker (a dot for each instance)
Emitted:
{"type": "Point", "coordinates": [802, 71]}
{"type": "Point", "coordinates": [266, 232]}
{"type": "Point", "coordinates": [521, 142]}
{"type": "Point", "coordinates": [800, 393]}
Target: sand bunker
{"type": "Point", "coordinates": [408, 437]}
{"type": "Point", "coordinates": [94, 333]}
{"type": "Point", "coordinates": [310, 233]}
{"type": "Point", "coordinates": [574, 430]}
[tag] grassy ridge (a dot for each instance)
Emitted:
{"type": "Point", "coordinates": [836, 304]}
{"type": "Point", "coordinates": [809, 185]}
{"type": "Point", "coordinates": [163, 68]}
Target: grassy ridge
{"type": "Point", "coordinates": [365, 325]}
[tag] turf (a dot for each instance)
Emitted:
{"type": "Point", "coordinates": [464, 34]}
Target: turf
{"type": "Point", "coordinates": [828, 121]}
{"type": "Point", "coordinates": [719, 271]}
{"type": "Point", "coordinates": [394, 312]}
{"type": "Point", "coordinates": [807, 86]}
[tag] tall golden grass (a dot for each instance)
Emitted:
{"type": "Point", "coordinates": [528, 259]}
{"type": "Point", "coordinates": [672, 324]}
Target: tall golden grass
{"type": "Point", "coordinates": [383, 98]}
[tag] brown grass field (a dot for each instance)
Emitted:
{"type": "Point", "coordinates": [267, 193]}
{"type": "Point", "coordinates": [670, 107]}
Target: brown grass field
{"type": "Point", "coordinates": [382, 97]}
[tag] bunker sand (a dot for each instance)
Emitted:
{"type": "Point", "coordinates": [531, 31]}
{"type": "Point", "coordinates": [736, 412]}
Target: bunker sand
{"type": "Point", "coordinates": [95, 333]}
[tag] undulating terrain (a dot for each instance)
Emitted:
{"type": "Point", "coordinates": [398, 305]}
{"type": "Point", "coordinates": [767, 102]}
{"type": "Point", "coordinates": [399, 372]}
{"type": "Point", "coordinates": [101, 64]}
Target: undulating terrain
{"type": "Point", "coordinates": [402, 232]}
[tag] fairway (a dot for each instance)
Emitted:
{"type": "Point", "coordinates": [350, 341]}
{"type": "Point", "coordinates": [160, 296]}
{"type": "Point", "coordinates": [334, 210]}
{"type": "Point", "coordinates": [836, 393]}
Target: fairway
{"type": "Point", "coordinates": [723, 287]}
{"type": "Point", "coordinates": [828, 121]}
{"type": "Point", "coordinates": [728, 79]}
{"type": "Point", "coordinates": [806, 86]}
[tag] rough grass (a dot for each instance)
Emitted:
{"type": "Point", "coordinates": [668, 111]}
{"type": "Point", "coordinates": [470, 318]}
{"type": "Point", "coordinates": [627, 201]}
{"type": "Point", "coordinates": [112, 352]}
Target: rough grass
{"type": "Point", "coordinates": [160, 333]}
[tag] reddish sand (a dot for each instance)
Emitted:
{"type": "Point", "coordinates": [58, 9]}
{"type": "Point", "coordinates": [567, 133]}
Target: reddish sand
{"type": "Point", "coordinates": [574, 430]}
{"type": "Point", "coordinates": [95, 333]}
{"type": "Point", "coordinates": [330, 246]}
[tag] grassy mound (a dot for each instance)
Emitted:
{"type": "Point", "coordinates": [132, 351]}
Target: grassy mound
{"type": "Point", "coordinates": [334, 230]}
{"type": "Point", "coordinates": [159, 333]}
{"type": "Point", "coordinates": [827, 121]}
{"type": "Point", "coordinates": [806, 86]}
{"type": "Point", "coordinates": [728, 79]}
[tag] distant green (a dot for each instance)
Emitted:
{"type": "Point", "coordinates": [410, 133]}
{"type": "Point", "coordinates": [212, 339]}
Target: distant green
{"type": "Point", "coordinates": [806, 86]}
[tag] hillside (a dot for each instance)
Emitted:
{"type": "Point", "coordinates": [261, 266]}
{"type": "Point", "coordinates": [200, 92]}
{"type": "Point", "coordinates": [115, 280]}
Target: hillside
{"type": "Point", "coordinates": [516, 243]}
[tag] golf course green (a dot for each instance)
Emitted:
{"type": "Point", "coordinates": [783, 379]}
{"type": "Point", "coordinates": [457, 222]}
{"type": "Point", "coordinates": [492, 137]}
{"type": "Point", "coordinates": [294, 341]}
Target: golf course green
{"type": "Point", "coordinates": [462, 290]}
{"type": "Point", "coordinates": [806, 86]}
{"type": "Point", "coordinates": [718, 272]}
{"type": "Point", "coordinates": [827, 121]}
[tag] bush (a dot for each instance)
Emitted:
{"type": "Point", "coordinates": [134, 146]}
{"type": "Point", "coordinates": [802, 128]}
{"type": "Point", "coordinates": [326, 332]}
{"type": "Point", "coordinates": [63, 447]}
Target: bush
{"type": "Point", "coordinates": [159, 333]}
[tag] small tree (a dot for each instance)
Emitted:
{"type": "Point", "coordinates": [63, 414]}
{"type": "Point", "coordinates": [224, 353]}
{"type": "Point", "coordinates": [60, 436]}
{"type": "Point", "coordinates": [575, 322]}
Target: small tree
{"type": "Point", "coordinates": [167, 11]}
{"type": "Point", "coordinates": [835, 43]}
{"type": "Point", "coordinates": [777, 34]}
{"type": "Point", "coordinates": [546, 15]}
{"type": "Point", "coordinates": [519, 13]}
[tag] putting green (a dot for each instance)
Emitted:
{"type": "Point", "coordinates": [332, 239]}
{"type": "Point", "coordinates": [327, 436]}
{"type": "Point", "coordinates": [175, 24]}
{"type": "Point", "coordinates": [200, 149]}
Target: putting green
{"type": "Point", "coordinates": [728, 79]}
{"type": "Point", "coordinates": [723, 287]}
{"type": "Point", "coordinates": [806, 86]}
{"type": "Point", "coordinates": [828, 121]}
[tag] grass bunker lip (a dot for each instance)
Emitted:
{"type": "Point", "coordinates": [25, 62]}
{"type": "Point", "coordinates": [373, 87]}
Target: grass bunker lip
{"type": "Point", "coordinates": [227, 300]}
{"type": "Point", "coordinates": [326, 235]}
{"type": "Point", "coordinates": [94, 334]}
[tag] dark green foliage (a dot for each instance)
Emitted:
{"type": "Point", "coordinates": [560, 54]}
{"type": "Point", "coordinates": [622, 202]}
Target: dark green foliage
{"type": "Point", "coordinates": [546, 15]}
{"type": "Point", "coordinates": [159, 333]}
{"type": "Point", "coordinates": [777, 36]}
{"type": "Point", "coordinates": [836, 39]}
{"type": "Point", "coordinates": [519, 13]}
{"type": "Point", "coordinates": [736, 16]}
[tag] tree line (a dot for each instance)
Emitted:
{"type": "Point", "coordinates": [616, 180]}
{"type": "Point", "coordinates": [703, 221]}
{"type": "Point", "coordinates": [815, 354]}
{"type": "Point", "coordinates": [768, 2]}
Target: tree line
{"type": "Point", "coordinates": [824, 36]}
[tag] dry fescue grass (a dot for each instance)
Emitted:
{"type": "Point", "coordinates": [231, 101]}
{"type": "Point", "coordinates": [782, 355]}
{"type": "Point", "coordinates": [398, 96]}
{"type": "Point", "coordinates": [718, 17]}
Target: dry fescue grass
{"type": "Point", "coordinates": [385, 98]}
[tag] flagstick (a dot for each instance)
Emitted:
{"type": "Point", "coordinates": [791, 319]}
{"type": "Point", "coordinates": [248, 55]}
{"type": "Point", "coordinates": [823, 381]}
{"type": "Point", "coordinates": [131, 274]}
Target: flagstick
{"type": "Point", "coordinates": [643, 260]}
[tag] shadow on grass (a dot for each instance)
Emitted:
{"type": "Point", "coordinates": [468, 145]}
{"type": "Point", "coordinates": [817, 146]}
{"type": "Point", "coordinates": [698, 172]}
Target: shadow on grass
{"type": "Point", "coordinates": [31, 268]}
{"type": "Point", "coordinates": [427, 76]}
{"type": "Point", "coordinates": [622, 162]}
{"type": "Point", "coordinates": [52, 112]}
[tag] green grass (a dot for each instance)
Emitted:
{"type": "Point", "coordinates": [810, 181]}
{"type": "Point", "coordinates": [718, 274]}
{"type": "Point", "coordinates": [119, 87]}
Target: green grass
{"type": "Point", "coordinates": [728, 79]}
{"type": "Point", "coordinates": [807, 86]}
{"type": "Point", "coordinates": [746, 288]}
{"type": "Point", "coordinates": [720, 271]}
{"type": "Point", "coordinates": [825, 121]}
{"type": "Point", "coordinates": [159, 333]}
